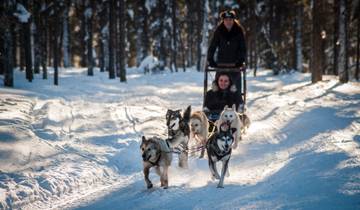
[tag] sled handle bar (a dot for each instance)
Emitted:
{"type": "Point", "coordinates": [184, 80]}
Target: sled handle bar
{"type": "Point", "coordinates": [226, 69]}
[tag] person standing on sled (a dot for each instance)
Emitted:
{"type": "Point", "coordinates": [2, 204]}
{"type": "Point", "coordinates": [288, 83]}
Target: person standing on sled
{"type": "Point", "coordinates": [229, 40]}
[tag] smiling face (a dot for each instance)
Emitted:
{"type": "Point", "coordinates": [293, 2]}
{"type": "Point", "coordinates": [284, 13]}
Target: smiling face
{"type": "Point", "coordinates": [223, 82]}
{"type": "Point", "coordinates": [228, 22]}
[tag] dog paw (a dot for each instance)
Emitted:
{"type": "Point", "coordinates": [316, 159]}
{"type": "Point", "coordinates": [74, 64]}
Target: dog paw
{"type": "Point", "coordinates": [165, 187]}
{"type": "Point", "coordinates": [220, 186]}
{"type": "Point", "coordinates": [149, 186]}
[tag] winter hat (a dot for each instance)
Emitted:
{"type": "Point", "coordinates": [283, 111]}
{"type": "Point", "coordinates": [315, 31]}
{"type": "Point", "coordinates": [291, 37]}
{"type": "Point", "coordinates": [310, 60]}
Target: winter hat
{"type": "Point", "coordinates": [228, 14]}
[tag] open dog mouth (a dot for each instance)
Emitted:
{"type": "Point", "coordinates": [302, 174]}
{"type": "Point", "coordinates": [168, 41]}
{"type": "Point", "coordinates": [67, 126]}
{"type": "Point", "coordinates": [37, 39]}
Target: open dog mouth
{"type": "Point", "coordinates": [146, 157]}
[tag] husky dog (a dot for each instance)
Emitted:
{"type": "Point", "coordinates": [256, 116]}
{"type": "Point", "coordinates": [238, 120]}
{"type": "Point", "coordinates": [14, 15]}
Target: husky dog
{"type": "Point", "coordinates": [156, 153]}
{"type": "Point", "coordinates": [219, 149]}
{"type": "Point", "coordinates": [179, 133]}
{"type": "Point", "coordinates": [229, 115]}
{"type": "Point", "coordinates": [199, 126]}
{"type": "Point", "coordinates": [245, 122]}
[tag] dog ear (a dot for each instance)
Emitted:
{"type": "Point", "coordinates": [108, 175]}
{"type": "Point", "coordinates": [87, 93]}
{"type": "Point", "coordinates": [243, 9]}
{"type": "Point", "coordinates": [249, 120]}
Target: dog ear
{"type": "Point", "coordinates": [167, 113]}
{"type": "Point", "coordinates": [143, 139]}
{"type": "Point", "coordinates": [234, 107]}
{"type": "Point", "coordinates": [187, 114]}
{"type": "Point", "coordinates": [226, 106]}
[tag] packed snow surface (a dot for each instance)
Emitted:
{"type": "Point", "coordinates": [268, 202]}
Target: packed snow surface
{"type": "Point", "coordinates": [76, 145]}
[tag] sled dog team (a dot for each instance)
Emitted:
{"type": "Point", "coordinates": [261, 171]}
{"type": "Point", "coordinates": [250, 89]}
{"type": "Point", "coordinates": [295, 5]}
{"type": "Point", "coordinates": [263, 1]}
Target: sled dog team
{"type": "Point", "coordinates": [194, 128]}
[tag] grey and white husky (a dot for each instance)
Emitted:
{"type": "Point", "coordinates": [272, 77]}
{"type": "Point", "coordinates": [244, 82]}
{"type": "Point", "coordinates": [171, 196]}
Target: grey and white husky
{"type": "Point", "coordinates": [219, 148]}
{"type": "Point", "coordinates": [156, 153]}
{"type": "Point", "coordinates": [179, 133]}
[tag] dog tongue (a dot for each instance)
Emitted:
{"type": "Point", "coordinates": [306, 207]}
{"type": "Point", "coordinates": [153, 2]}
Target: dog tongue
{"type": "Point", "coordinates": [224, 127]}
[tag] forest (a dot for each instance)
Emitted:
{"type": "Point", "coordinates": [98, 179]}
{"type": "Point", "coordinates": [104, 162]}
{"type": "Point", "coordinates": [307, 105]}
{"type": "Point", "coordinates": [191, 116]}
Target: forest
{"type": "Point", "coordinates": [36, 36]}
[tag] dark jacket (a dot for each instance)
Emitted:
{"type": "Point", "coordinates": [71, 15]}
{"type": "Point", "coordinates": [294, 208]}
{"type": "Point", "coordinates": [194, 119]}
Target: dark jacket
{"type": "Point", "coordinates": [216, 100]}
{"type": "Point", "coordinates": [231, 45]}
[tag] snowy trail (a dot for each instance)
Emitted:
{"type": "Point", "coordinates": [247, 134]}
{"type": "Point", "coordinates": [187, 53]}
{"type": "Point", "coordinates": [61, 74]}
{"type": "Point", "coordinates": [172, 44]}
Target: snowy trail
{"type": "Point", "coordinates": [302, 150]}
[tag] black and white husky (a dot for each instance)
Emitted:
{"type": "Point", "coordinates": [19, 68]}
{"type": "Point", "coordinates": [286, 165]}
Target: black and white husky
{"type": "Point", "coordinates": [179, 133]}
{"type": "Point", "coordinates": [219, 148]}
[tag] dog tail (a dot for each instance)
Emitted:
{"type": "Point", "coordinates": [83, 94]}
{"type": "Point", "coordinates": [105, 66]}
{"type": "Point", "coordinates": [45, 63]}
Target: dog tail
{"type": "Point", "coordinates": [187, 114]}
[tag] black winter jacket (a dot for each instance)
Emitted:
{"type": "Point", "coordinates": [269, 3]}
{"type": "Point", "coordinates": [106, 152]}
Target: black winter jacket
{"type": "Point", "coordinates": [215, 101]}
{"type": "Point", "coordinates": [231, 45]}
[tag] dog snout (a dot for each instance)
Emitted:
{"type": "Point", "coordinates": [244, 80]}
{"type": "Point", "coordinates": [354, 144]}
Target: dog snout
{"type": "Point", "coordinates": [144, 156]}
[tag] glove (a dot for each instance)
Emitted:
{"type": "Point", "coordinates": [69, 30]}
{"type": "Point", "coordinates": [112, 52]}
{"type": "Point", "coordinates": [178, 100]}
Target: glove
{"type": "Point", "coordinates": [212, 63]}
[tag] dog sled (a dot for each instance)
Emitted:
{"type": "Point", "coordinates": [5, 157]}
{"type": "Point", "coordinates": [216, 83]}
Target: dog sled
{"type": "Point", "coordinates": [228, 68]}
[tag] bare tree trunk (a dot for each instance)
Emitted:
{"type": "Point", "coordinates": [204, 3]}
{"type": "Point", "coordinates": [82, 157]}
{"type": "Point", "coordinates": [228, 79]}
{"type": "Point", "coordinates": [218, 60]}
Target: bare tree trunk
{"type": "Point", "coordinates": [27, 45]}
{"type": "Point", "coordinates": [122, 41]}
{"type": "Point", "coordinates": [66, 36]}
{"type": "Point", "coordinates": [204, 41]}
{"type": "Point", "coordinates": [298, 38]}
{"type": "Point", "coordinates": [174, 37]}
{"type": "Point", "coordinates": [37, 37]}
{"type": "Point", "coordinates": [103, 37]}
{"type": "Point", "coordinates": [162, 50]}
{"type": "Point", "coordinates": [190, 32]}
{"type": "Point", "coordinates": [43, 43]}
{"type": "Point", "coordinates": [14, 46]}
{"type": "Point", "coordinates": [22, 49]}
{"type": "Point", "coordinates": [343, 40]}
{"type": "Point", "coordinates": [111, 38]}
{"type": "Point", "coordinates": [357, 71]}
{"type": "Point", "coordinates": [336, 11]}
{"type": "Point", "coordinates": [316, 62]}
{"type": "Point", "coordinates": [8, 63]}
{"type": "Point", "coordinates": [56, 38]}
{"type": "Point", "coordinates": [145, 39]}
{"type": "Point", "coordinates": [199, 33]}
{"type": "Point", "coordinates": [83, 30]}
{"type": "Point", "coordinates": [89, 5]}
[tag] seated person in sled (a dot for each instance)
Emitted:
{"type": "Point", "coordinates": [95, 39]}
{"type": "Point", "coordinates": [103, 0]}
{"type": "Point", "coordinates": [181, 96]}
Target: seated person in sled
{"type": "Point", "coordinates": [222, 93]}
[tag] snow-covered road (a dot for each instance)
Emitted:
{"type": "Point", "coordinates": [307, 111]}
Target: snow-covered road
{"type": "Point", "coordinates": [77, 145]}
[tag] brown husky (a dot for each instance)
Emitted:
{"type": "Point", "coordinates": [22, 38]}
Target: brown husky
{"type": "Point", "coordinates": [156, 153]}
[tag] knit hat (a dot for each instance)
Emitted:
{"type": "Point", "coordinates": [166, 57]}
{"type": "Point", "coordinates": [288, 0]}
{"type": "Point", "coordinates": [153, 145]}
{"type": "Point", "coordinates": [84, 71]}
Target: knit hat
{"type": "Point", "coordinates": [228, 14]}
